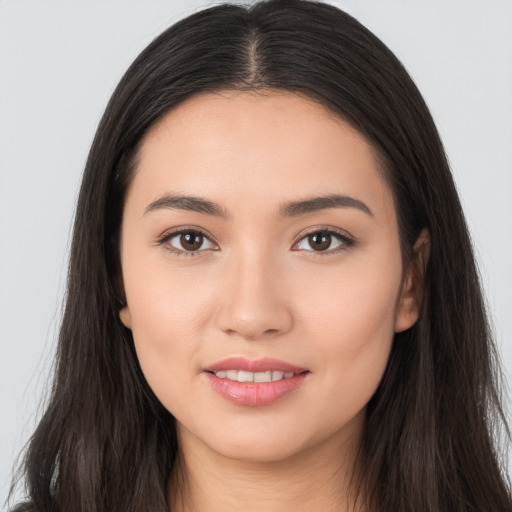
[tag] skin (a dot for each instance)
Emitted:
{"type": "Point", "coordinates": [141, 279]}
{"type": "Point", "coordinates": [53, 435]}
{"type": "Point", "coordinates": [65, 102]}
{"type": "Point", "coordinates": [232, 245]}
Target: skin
{"type": "Point", "coordinates": [257, 288]}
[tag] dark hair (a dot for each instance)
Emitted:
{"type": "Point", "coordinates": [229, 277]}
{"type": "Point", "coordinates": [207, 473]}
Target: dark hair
{"type": "Point", "coordinates": [105, 442]}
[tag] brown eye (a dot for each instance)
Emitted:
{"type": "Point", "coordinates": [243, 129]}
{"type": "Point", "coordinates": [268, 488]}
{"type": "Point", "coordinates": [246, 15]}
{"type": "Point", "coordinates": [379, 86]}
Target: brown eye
{"type": "Point", "coordinates": [319, 241]}
{"type": "Point", "coordinates": [328, 241]}
{"type": "Point", "coordinates": [187, 242]}
{"type": "Point", "coordinates": [191, 241]}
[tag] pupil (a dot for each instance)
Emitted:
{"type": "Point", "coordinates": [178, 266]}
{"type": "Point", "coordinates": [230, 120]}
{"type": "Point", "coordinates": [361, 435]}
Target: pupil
{"type": "Point", "coordinates": [320, 241]}
{"type": "Point", "coordinates": [191, 241]}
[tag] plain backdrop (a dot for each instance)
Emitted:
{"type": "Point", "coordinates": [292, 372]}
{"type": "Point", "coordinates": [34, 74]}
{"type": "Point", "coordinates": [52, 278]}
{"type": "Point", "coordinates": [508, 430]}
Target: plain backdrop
{"type": "Point", "coordinates": [59, 63]}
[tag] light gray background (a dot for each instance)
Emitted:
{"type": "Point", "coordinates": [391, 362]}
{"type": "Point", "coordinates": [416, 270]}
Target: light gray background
{"type": "Point", "coordinates": [59, 63]}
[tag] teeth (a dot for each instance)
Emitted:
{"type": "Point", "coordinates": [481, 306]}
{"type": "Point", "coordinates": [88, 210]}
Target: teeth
{"type": "Point", "coordinates": [243, 376]}
{"type": "Point", "coordinates": [263, 377]}
{"type": "Point", "coordinates": [232, 375]}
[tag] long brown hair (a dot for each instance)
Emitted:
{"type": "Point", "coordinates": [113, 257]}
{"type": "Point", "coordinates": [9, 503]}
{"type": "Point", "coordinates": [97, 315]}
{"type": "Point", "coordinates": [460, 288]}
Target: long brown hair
{"type": "Point", "coordinates": [105, 443]}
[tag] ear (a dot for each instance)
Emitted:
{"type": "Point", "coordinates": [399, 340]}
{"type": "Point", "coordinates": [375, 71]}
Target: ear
{"type": "Point", "coordinates": [411, 296]}
{"type": "Point", "coordinates": [124, 311]}
{"type": "Point", "coordinates": [125, 316]}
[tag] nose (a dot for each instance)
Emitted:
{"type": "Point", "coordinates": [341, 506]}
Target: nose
{"type": "Point", "coordinates": [254, 303]}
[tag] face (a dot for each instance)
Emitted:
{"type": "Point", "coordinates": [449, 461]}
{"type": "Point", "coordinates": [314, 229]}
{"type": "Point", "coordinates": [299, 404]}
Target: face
{"type": "Point", "coordinates": [262, 272]}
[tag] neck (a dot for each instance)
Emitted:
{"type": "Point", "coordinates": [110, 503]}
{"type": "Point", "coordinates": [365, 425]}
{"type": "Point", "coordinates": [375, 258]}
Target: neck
{"type": "Point", "coordinates": [320, 478]}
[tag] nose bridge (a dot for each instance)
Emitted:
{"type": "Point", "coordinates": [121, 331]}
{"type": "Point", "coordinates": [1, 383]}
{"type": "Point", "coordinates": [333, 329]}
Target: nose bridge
{"type": "Point", "coordinates": [254, 302]}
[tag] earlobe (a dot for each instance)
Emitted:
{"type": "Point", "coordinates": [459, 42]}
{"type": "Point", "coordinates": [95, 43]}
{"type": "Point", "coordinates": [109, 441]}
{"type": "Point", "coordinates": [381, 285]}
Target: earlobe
{"type": "Point", "coordinates": [124, 312]}
{"type": "Point", "coordinates": [126, 319]}
{"type": "Point", "coordinates": [411, 297]}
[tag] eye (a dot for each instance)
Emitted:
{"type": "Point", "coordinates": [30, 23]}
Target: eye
{"type": "Point", "coordinates": [186, 242]}
{"type": "Point", "coordinates": [324, 241]}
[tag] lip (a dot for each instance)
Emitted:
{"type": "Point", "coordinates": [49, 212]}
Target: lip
{"type": "Point", "coordinates": [264, 364]}
{"type": "Point", "coordinates": [254, 394]}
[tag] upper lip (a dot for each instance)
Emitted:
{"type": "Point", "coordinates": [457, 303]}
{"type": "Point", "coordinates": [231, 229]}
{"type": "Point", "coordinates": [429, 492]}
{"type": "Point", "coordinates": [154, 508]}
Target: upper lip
{"type": "Point", "coordinates": [264, 364]}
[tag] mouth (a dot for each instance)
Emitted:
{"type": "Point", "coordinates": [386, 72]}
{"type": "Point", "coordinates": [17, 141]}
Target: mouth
{"type": "Point", "coordinates": [245, 376]}
{"type": "Point", "coordinates": [244, 365]}
{"type": "Point", "coordinates": [254, 382]}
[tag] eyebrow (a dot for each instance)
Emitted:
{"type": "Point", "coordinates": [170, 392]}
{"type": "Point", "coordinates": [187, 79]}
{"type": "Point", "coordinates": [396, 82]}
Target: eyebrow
{"type": "Point", "coordinates": [314, 204]}
{"type": "Point", "coordinates": [292, 209]}
{"type": "Point", "coordinates": [190, 203]}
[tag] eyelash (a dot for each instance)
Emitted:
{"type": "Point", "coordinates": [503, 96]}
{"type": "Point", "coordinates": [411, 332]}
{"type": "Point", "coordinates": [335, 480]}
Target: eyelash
{"type": "Point", "coordinates": [346, 241]}
{"type": "Point", "coordinates": [166, 237]}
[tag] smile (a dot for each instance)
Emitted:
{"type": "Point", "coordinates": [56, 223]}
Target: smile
{"type": "Point", "coordinates": [245, 376]}
{"type": "Point", "coordinates": [254, 383]}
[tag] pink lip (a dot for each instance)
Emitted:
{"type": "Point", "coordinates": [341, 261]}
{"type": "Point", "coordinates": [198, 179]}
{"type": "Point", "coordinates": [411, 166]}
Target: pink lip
{"type": "Point", "coordinates": [265, 364]}
{"type": "Point", "coordinates": [254, 394]}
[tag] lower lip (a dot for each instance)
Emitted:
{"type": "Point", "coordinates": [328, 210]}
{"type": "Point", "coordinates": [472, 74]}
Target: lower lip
{"type": "Point", "coordinates": [255, 394]}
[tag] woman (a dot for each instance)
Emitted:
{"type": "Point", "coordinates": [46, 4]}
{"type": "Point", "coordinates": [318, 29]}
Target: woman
{"type": "Point", "coordinates": [272, 299]}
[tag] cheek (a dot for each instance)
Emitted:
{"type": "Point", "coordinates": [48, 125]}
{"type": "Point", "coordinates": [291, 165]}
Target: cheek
{"type": "Point", "coordinates": [363, 308]}
{"type": "Point", "coordinates": [352, 322]}
{"type": "Point", "coordinates": [167, 312]}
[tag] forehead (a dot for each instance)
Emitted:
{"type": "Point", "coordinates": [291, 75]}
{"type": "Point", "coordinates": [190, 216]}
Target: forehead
{"type": "Point", "coordinates": [258, 147]}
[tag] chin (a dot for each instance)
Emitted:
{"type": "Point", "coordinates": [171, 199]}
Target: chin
{"type": "Point", "coordinates": [266, 452]}
{"type": "Point", "coordinates": [252, 444]}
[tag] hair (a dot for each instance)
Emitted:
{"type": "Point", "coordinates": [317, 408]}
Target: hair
{"type": "Point", "coordinates": [105, 442]}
